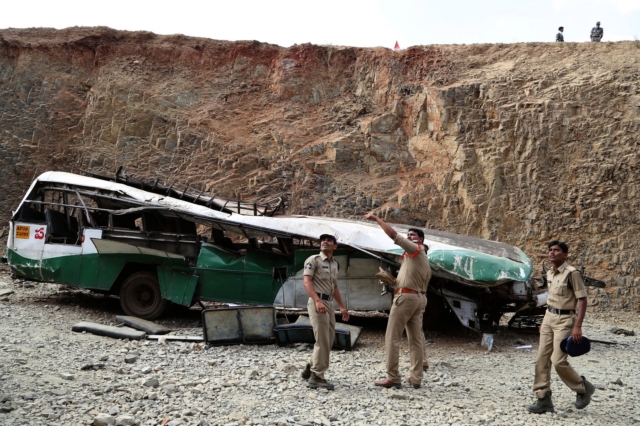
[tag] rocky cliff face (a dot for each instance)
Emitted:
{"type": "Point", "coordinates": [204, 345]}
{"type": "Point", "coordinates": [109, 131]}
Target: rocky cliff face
{"type": "Point", "coordinates": [520, 143]}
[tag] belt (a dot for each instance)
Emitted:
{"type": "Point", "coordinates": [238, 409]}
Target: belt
{"type": "Point", "coordinates": [407, 290]}
{"type": "Point", "coordinates": [560, 311]}
{"type": "Point", "coordinates": [325, 296]}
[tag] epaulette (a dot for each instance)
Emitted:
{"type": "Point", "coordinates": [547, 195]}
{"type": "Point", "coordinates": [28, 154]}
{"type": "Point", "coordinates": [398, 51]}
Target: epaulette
{"type": "Point", "coordinates": [571, 271]}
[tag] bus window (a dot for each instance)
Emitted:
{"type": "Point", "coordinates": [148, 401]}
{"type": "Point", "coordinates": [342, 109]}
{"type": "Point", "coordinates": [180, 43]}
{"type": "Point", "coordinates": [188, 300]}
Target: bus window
{"type": "Point", "coordinates": [59, 229]}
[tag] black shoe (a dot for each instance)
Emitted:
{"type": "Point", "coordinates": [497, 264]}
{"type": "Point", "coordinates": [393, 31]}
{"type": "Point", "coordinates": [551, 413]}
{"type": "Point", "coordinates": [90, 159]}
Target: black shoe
{"type": "Point", "coordinates": [306, 373]}
{"type": "Point", "coordinates": [316, 382]}
{"type": "Point", "coordinates": [542, 405]}
{"type": "Point", "coordinates": [583, 399]}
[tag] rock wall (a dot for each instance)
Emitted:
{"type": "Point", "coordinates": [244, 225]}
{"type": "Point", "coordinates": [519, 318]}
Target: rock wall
{"type": "Point", "coordinates": [520, 143]}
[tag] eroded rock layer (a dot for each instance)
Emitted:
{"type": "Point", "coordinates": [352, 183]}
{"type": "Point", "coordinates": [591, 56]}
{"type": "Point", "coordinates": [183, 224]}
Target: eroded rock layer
{"type": "Point", "coordinates": [520, 143]}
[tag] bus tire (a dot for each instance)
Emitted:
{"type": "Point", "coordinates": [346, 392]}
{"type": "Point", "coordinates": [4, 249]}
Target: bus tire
{"type": "Point", "coordinates": [140, 296]}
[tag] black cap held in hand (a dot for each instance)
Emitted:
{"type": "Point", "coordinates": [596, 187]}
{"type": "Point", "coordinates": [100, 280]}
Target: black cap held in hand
{"type": "Point", "coordinates": [572, 348]}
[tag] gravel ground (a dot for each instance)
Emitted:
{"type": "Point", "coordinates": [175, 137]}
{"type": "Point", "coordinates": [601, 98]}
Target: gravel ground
{"type": "Point", "coordinates": [43, 381]}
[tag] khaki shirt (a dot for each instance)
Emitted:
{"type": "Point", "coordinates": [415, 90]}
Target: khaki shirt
{"type": "Point", "coordinates": [415, 272]}
{"type": "Point", "coordinates": [560, 295]}
{"type": "Point", "coordinates": [323, 271]}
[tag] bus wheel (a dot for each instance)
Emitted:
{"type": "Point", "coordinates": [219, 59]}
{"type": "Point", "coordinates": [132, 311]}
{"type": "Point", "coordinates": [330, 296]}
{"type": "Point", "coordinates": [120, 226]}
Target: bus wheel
{"type": "Point", "coordinates": [140, 296]}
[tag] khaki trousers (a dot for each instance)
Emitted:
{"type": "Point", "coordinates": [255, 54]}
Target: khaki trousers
{"type": "Point", "coordinates": [324, 327]}
{"type": "Point", "coordinates": [425, 362]}
{"type": "Point", "coordinates": [406, 312]}
{"type": "Point", "coordinates": [554, 328]}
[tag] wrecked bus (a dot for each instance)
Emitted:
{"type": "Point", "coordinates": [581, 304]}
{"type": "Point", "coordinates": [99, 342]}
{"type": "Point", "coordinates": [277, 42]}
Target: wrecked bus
{"type": "Point", "coordinates": [154, 244]}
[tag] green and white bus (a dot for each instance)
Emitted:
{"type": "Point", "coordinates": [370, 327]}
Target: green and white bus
{"type": "Point", "coordinates": [155, 244]}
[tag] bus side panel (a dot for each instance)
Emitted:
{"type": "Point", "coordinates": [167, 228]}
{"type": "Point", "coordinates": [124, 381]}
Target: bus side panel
{"type": "Point", "coordinates": [177, 286]}
{"type": "Point", "coordinates": [219, 285]}
{"type": "Point", "coordinates": [220, 274]}
{"type": "Point", "coordinates": [259, 288]}
{"type": "Point", "coordinates": [89, 271]}
{"type": "Point", "coordinates": [261, 282]}
{"type": "Point", "coordinates": [24, 266]}
{"type": "Point", "coordinates": [226, 276]}
{"type": "Point", "coordinates": [90, 258]}
{"type": "Point", "coordinates": [60, 266]}
{"type": "Point", "coordinates": [108, 270]}
{"type": "Point", "coordinates": [24, 249]}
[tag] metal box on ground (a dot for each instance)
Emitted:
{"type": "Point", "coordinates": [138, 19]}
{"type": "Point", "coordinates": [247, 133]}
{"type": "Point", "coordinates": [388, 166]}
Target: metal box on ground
{"type": "Point", "coordinates": [301, 331]}
{"type": "Point", "coordinates": [246, 324]}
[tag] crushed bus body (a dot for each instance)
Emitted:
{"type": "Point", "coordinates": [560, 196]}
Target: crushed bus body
{"type": "Point", "coordinates": [154, 245]}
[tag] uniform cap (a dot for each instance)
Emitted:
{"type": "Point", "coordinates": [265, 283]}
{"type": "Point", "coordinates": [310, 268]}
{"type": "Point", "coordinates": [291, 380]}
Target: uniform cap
{"type": "Point", "coordinates": [598, 23]}
{"type": "Point", "coordinates": [328, 236]}
{"type": "Point", "coordinates": [572, 348]}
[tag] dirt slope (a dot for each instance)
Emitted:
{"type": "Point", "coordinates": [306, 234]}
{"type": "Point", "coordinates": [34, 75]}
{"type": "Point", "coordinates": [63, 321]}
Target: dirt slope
{"type": "Point", "coordinates": [520, 143]}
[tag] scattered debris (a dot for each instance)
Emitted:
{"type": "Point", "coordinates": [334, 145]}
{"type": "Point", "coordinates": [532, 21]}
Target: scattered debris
{"type": "Point", "coordinates": [239, 325]}
{"type": "Point", "coordinates": [105, 330]}
{"type": "Point", "coordinates": [140, 324]}
{"type": "Point", "coordinates": [617, 330]}
{"type": "Point", "coordinates": [605, 342]}
{"type": "Point", "coordinates": [176, 338]}
{"type": "Point", "coordinates": [6, 292]}
{"type": "Point", "coordinates": [487, 340]}
{"type": "Point", "coordinates": [618, 382]}
{"type": "Point", "coordinates": [91, 367]}
{"type": "Point", "coordinates": [346, 335]}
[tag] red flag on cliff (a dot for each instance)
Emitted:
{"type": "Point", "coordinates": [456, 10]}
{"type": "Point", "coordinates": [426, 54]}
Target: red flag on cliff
{"type": "Point", "coordinates": [397, 46]}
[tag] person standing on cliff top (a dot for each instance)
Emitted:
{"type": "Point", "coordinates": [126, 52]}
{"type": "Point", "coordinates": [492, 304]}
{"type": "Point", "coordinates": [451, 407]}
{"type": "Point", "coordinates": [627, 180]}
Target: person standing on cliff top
{"type": "Point", "coordinates": [559, 36]}
{"type": "Point", "coordinates": [566, 293]}
{"type": "Point", "coordinates": [597, 32]}
{"type": "Point", "coordinates": [408, 306]}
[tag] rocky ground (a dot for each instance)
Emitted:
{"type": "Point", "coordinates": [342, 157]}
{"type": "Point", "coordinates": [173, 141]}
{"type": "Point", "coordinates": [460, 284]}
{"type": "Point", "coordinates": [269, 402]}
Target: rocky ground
{"type": "Point", "coordinates": [149, 383]}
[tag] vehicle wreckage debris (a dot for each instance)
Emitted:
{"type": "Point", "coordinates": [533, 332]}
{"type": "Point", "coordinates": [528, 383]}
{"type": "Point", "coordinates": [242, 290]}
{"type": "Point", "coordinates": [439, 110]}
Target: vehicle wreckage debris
{"type": "Point", "coordinates": [241, 324]}
{"type": "Point", "coordinates": [487, 341]}
{"type": "Point", "coordinates": [140, 324]}
{"type": "Point", "coordinates": [175, 338]}
{"type": "Point", "coordinates": [96, 366]}
{"type": "Point", "coordinates": [617, 330]}
{"type": "Point", "coordinates": [346, 335]}
{"type": "Point", "coordinates": [605, 342]}
{"type": "Point", "coordinates": [125, 222]}
{"type": "Point", "coordinates": [109, 331]}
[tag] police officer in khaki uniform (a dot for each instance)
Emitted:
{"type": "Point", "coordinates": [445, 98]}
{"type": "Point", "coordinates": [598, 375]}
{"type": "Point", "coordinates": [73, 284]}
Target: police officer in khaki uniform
{"type": "Point", "coordinates": [566, 292]}
{"type": "Point", "coordinates": [321, 283]}
{"type": "Point", "coordinates": [408, 306]}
